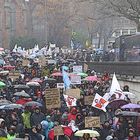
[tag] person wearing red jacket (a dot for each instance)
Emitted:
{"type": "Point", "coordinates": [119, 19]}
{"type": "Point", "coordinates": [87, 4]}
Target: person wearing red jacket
{"type": "Point", "coordinates": [72, 114]}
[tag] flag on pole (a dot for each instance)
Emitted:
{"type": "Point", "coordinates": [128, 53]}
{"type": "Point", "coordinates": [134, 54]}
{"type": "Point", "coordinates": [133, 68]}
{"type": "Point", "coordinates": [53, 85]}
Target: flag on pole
{"type": "Point", "coordinates": [115, 90]}
{"type": "Point", "coordinates": [66, 79]}
{"type": "Point", "coordinates": [100, 103]}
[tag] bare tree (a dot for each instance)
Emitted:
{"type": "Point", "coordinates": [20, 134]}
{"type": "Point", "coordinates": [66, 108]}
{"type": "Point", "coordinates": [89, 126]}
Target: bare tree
{"type": "Point", "coordinates": [129, 9]}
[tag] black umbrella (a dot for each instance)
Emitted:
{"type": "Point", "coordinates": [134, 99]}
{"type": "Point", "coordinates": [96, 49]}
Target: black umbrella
{"type": "Point", "coordinates": [128, 113]}
{"type": "Point", "coordinates": [50, 80]}
{"type": "Point", "coordinates": [22, 94]}
{"type": "Point", "coordinates": [33, 103]}
{"type": "Point", "coordinates": [21, 86]}
{"type": "Point", "coordinates": [5, 102]}
{"type": "Point", "coordinates": [11, 106]}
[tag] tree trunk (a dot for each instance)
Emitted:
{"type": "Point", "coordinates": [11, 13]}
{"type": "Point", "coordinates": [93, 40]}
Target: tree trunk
{"type": "Point", "coordinates": [138, 27]}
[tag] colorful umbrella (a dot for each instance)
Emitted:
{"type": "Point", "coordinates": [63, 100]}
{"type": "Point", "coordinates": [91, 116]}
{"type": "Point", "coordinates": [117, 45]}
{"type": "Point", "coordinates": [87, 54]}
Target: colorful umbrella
{"type": "Point", "coordinates": [67, 131]}
{"type": "Point", "coordinates": [23, 101]}
{"type": "Point", "coordinates": [35, 84]}
{"type": "Point", "coordinates": [115, 104]}
{"type": "Point", "coordinates": [2, 85]}
{"type": "Point", "coordinates": [92, 133]}
{"type": "Point", "coordinates": [82, 74]}
{"type": "Point", "coordinates": [8, 67]}
{"type": "Point", "coordinates": [91, 78]}
{"type": "Point", "coordinates": [56, 74]}
{"type": "Point", "coordinates": [130, 106]}
{"type": "Point", "coordinates": [37, 80]}
{"type": "Point", "coordinates": [33, 103]}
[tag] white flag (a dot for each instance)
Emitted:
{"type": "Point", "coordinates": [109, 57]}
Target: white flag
{"type": "Point", "coordinates": [100, 103]}
{"type": "Point", "coordinates": [70, 101]}
{"type": "Point", "coordinates": [115, 90]}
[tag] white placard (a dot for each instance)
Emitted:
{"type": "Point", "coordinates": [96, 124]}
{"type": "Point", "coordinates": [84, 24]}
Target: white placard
{"type": "Point", "coordinates": [76, 79]}
{"type": "Point", "coordinates": [51, 62]}
{"type": "Point", "coordinates": [77, 69]}
{"type": "Point", "coordinates": [60, 85]}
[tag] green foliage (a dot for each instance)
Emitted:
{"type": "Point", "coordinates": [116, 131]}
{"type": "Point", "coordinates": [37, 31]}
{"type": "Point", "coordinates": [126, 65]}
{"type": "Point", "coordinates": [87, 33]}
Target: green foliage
{"type": "Point", "coordinates": [25, 42]}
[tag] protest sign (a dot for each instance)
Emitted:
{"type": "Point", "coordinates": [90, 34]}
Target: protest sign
{"type": "Point", "coordinates": [73, 92]}
{"type": "Point", "coordinates": [85, 67]}
{"type": "Point", "coordinates": [77, 69]}
{"type": "Point", "coordinates": [52, 98]}
{"type": "Point", "coordinates": [92, 122]}
{"type": "Point", "coordinates": [88, 100]}
{"type": "Point", "coordinates": [75, 79]}
{"type": "Point", "coordinates": [58, 131]}
{"type": "Point", "coordinates": [25, 62]}
{"type": "Point", "coordinates": [51, 61]}
{"type": "Point", "coordinates": [14, 75]}
{"type": "Point", "coordinates": [60, 85]}
{"type": "Point", "coordinates": [42, 61]}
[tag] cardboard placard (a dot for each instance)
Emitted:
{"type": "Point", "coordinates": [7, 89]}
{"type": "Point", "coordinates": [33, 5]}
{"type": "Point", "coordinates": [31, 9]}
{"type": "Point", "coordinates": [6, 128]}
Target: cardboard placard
{"type": "Point", "coordinates": [92, 122]}
{"type": "Point", "coordinates": [25, 62]}
{"type": "Point", "coordinates": [60, 85]}
{"type": "Point", "coordinates": [76, 79]}
{"type": "Point", "coordinates": [42, 61]}
{"type": "Point", "coordinates": [85, 67]}
{"type": "Point", "coordinates": [52, 98]}
{"type": "Point", "coordinates": [73, 92]}
{"type": "Point", "coordinates": [77, 69]}
{"type": "Point", "coordinates": [88, 100]}
{"type": "Point", "coordinates": [58, 131]}
{"type": "Point", "coordinates": [14, 75]}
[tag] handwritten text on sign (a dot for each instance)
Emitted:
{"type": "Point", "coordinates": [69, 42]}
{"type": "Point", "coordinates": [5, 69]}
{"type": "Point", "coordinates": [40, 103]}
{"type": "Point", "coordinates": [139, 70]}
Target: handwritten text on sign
{"type": "Point", "coordinates": [88, 100]}
{"type": "Point", "coordinates": [92, 122]}
{"type": "Point", "coordinates": [52, 98]}
{"type": "Point", "coordinates": [58, 131]}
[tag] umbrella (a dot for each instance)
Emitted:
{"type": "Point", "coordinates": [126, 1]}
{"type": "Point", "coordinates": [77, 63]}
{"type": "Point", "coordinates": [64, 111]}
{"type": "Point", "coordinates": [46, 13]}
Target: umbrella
{"type": "Point", "coordinates": [2, 84]}
{"type": "Point", "coordinates": [37, 80]}
{"type": "Point", "coordinates": [130, 106]}
{"type": "Point", "coordinates": [22, 94]}
{"type": "Point", "coordinates": [56, 74]}
{"type": "Point", "coordinates": [128, 113]}
{"type": "Point", "coordinates": [82, 74]}
{"type": "Point", "coordinates": [32, 103]}
{"type": "Point", "coordinates": [92, 133]}
{"type": "Point", "coordinates": [23, 101]}
{"type": "Point", "coordinates": [8, 67]}
{"type": "Point", "coordinates": [91, 78]}
{"type": "Point", "coordinates": [115, 104]}
{"type": "Point", "coordinates": [50, 80]}
{"type": "Point", "coordinates": [5, 102]}
{"type": "Point", "coordinates": [36, 84]}
{"type": "Point", "coordinates": [1, 62]}
{"type": "Point", "coordinates": [21, 86]}
{"type": "Point", "coordinates": [130, 95]}
{"type": "Point", "coordinates": [4, 72]}
{"type": "Point", "coordinates": [11, 106]}
{"type": "Point", "coordinates": [67, 131]}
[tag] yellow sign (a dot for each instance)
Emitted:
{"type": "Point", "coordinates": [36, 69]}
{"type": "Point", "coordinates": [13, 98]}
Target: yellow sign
{"type": "Point", "coordinates": [92, 122]}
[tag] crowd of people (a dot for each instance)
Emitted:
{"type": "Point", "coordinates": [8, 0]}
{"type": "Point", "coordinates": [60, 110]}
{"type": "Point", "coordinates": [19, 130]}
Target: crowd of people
{"type": "Point", "coordinates": [20, 120]}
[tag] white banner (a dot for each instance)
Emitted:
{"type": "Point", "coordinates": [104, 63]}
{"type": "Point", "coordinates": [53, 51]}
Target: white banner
{"type": "Point", "coordinates": [75, 79]}
{"type": "Point", "coordinates": [77, 69]}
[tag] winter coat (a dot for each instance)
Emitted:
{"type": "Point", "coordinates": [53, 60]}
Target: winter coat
{"type": "Point", "coordinates": [37, 118]}
{"type": "Point", "coordinates": [26, 119]}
